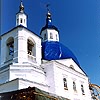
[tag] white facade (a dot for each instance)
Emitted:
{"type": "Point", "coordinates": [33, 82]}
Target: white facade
{"type": "Point", "coordinates": [21, 19]}
{"type": "Point", "coordinates": [20, 52]}
{"type": "Point", "coordinates": [56, 71]}
{"type": "Point", "coordinates": [50, 79]}
{"type": "Point", "coordinates": [21, 66]}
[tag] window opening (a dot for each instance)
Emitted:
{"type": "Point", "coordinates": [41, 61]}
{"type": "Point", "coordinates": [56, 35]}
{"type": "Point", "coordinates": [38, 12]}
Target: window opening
{"type": "Point", "coordinates": [45, 37]}
{"type": "Point", "coordinates": [74, 86]}
{"type": "Point", "coordinates": [30, 47]}
{"type": "Point", "coordinates": [56, 37]}
{"type": "Point", "coordinates": [17, 20]}
{"type": "Point", "coordinates": [11, 48]}
{"type": "Point", "coordinates": [65, 84]}
{"type": "Point", "coordinates": [82, 89]}
{"type": "Point", "coordinates": [51, 36]}
{"type": "Point", "coordinates": [21, 20]}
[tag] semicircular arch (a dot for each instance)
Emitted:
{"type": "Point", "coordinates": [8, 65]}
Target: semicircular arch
{"type": "Point", "coordinates": [31, 39]}
{"type": "Point", "coordinates": [9, 40]}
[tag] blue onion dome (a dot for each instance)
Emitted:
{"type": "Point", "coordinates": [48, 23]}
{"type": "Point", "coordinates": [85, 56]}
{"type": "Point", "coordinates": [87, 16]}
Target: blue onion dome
{"type": "Point", "coordinates": [49, 23]}
{"type": "Point", "coordinates": [55, 51]}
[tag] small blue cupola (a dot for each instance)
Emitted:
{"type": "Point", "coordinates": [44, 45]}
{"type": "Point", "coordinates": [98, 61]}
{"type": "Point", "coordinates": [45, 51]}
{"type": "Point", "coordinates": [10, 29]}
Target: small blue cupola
{"type": "Point", "coordinates": [52, 49]}
{"type": "Point", "coordinates": [49, 32]}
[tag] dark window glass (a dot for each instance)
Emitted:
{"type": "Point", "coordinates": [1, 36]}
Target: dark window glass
{"type": "Point", "coordinates": [74, 86]}
{"type": "Point", "coordinates": [65, 84]}
{"type": "Point", "coordinates": [51, 36]}
{"type": "Point", "coordinates": [82, 89]}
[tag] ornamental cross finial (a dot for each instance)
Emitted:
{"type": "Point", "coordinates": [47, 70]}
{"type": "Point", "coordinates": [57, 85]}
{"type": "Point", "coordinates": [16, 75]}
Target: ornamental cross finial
{"type": "Point", "coordinates": [48, 7]}
{"type": "Point", "coordinates": [48, 14]}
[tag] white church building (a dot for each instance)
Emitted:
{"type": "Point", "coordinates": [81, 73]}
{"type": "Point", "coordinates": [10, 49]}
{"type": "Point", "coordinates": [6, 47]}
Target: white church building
{"type": "Point", "coordinates": [40, 61]}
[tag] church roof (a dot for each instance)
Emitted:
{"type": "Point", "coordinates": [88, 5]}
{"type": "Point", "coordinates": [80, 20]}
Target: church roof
{"type": "Point", "coordinates": [49, 27]}
{"type": "Point", "coordinates": [55, 50]}
{"type": "Point", "coordinates": [20, 26]}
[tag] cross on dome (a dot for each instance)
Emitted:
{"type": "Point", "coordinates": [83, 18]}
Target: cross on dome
{"type": "Point", "coordinates": [49, 19]}
{"type": "Point", "coordinates": [48, 14]}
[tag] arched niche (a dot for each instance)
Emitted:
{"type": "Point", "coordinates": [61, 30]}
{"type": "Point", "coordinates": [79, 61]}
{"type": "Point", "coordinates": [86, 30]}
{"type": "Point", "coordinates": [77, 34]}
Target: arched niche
{"type": "Point", "coordinates": [31, 46]}
{"type": "Point", "coordinates": [10, 48]}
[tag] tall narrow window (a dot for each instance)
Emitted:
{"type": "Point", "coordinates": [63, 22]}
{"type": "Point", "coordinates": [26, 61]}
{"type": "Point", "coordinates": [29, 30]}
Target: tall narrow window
{"type": "Point", "coordinates": [56, 37]}
{"type": "Point", "coordinates": [65, 83]}
{"type": "Point", "coordinates": [51, 36]}
{"type": "Point", "coordinates": [10, 48]}
{"type": "Point", "coordinates": [21, 20]}
{"type": "Point", "coordinates": [74, 86]}
{"type": "Point", "coordinates": [30, 46]}
{"type": "Point", "coordinates": [45, 37]}
{"type": "Point", "coordinates": [17, 21]}
{"type": "Point", "coordinates": [31, 50]}
{"type": "Point", "coordinates": [82, 89]}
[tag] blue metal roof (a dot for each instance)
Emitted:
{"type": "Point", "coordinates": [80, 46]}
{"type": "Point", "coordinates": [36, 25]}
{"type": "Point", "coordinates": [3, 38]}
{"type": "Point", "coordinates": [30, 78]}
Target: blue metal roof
{"type": "Point", "coordinates": [49, 23]}
{"type": "Point", "coordinates": [49, 27]}
{"type": "Point", "coordinates": [55, 50]}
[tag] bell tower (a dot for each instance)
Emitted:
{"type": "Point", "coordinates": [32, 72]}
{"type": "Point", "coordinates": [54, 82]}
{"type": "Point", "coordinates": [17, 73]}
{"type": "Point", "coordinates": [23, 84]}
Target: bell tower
{"type": "Point", "coordinates": [20, 45]}
{"type": "Point", "coordinates": [20, 51]}
{"type": "Point", "coordinates": [21, 17]}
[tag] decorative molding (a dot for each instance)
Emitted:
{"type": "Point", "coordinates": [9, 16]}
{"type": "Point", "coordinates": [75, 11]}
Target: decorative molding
{"type": "Point", "coordinates": [67, 69]}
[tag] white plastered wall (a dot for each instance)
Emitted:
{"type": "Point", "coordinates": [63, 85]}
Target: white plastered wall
{"type": "Point", "coordinates": [55, 72]}
{"type": "Point", "coordinates": [23, 17]}
{"type": "Point", "coordinates": [4, 39]}
{"type": "Point", "coordinates": [47, 32]}
{"type": "Point", "coordinates": [20, 35]}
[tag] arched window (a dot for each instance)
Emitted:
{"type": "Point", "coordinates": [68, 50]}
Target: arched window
{"type": "Point", "coordinates": [10, 48]}
{"type": "Point", "coordinates": [30, 46]}
{"type": "Point", "coordinates": [82, 89]}
{"type": "Point", "coordinates": [74, 86]}
{"type": "Point", "coordinates": [31, 50]}
{"type": "Point", "coordinates": [65, 83]}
